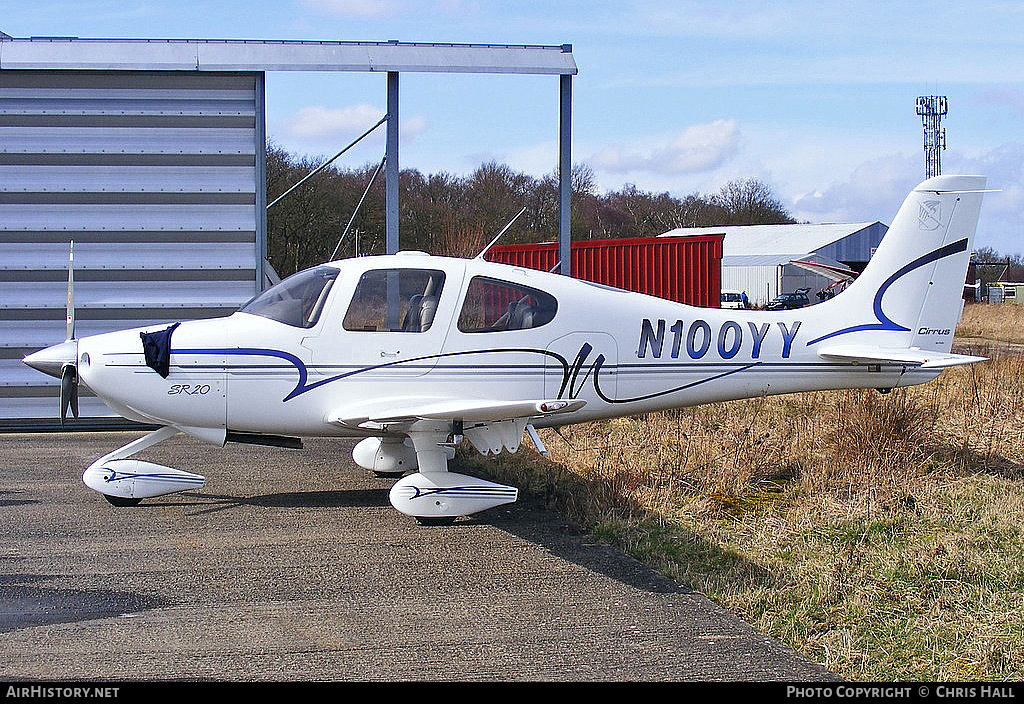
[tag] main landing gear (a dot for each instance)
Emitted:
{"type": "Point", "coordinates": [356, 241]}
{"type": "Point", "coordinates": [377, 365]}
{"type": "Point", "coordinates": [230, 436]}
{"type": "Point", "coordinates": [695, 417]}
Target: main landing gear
{"type": "Point", "coordinates": [432, 495]}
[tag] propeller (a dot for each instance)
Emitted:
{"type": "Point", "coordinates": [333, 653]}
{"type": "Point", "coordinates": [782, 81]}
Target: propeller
{"type": "Point", "coordinates": [71, 293]}
{"type": "Point", "coordinates": [69, 372]}
{"type": "Point", "coordinates": [61, 360]}
{"type": "Point", "coordinates": [68, 392]}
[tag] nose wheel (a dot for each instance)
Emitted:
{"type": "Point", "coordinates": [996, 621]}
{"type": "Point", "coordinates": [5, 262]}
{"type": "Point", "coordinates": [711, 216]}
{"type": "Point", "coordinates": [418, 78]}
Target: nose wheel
{"type": "Point", "coordinates": [423, 521]}
{"type": "Point", "coordinates": [122, 500]}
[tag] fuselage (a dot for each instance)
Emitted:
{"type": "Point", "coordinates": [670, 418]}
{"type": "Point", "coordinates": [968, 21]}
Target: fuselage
{"type": "Point", "coordinates": [413, 327]}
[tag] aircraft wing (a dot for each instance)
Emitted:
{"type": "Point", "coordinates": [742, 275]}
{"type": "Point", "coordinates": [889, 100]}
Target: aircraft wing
{"type": "Point", "coordinates": [832, 273]}
{"type": "Point", "coordinates": [466, 410]}
{"type": "Point", "coordinates": [925, 359]}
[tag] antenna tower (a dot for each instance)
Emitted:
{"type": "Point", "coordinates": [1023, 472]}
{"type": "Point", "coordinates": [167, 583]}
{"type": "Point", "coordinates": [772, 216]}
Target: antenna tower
{"type": "Point", "coordinates": [931, 108]}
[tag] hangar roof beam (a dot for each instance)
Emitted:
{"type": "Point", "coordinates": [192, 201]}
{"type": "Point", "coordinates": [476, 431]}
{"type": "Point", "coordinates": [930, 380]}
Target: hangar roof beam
{"type": "Point", "coordinates": [286, 55]}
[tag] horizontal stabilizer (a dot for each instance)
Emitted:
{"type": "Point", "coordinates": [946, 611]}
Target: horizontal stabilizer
{"type": "Point", "coordinates": [879, 355]}
{"type": "Point", "coordinates": [410, 410]}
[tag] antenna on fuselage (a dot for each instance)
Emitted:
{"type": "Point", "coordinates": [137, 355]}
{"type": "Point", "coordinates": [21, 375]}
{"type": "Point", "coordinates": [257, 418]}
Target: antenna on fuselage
{"type": "Point", "coordinates": [498, 236]}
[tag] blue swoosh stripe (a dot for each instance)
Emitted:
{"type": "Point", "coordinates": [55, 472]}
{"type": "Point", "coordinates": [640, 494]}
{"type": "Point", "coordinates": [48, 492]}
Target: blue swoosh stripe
{"type": "Point", "coordinates": [884, 323]}
{"type": "Point", "coordinates": [302, 386]}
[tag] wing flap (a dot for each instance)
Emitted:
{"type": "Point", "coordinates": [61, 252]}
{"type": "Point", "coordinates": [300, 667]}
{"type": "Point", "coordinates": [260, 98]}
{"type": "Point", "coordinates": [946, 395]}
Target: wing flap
{"type": "Point", "coordinates": [925, 359]}
{"type": "Point", "coordinates": [466, 410]}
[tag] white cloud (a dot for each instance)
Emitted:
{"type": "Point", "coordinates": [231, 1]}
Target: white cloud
{"type": "Point", "coordinates": [319, 128]}
{"type": "Point", "coordinates": [1002, 212]}
{"type": "Point", "coordinates": [317, 122]}
{"type": "Point", "coordinates": [538, 159]}
{"type": "Point", "coordinates": [875, 189]}
{"type": "Point", "coordinates": [1004, 97]}
{"type": "Point", "coordinates": [698, 149]}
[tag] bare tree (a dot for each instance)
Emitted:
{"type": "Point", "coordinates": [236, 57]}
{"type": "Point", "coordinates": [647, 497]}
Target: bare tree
{"type": "Point", "coordinates": [750, 202]}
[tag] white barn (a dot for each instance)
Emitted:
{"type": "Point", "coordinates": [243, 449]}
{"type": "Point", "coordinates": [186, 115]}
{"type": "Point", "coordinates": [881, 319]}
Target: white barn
{"type": "Point", "coordinates": [757, 258]}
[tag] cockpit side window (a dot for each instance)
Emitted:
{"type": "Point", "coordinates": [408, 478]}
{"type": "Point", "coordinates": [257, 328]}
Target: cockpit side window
{"type": "Point", "coordinates": [296, 301]}
{"type": "Point", "coordinates": [492, 306]}
{"type": "Point", "coordinates": [395, 300]}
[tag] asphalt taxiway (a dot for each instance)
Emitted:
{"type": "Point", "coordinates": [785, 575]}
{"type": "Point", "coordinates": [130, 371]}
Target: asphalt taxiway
{"type": "Point", "coordinates": [291, 565]}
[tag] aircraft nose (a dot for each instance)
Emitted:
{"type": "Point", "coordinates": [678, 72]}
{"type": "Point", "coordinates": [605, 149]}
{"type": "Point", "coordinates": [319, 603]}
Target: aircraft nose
{"type": "Point", "coordinates": [52, 360]}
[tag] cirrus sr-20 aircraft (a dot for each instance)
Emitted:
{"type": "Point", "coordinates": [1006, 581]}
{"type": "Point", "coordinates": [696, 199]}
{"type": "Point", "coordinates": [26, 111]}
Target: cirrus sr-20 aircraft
{"type": "Point", "coordinates": [414, 353]}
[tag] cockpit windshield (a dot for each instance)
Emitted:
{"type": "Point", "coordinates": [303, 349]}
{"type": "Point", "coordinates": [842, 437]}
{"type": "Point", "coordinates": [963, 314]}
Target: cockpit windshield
{"type": "Point", "coordinates": [296, 301]}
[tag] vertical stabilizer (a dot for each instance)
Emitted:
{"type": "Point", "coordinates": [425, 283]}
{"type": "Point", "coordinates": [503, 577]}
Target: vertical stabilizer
{"type": "Point", "coordinates": [911, 293]}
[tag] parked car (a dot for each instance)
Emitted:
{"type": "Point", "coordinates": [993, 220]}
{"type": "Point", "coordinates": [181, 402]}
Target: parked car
{"type": "Point", "coordinates": [790, 301]}
{"type": "Point", "coordinates": [733, 299]}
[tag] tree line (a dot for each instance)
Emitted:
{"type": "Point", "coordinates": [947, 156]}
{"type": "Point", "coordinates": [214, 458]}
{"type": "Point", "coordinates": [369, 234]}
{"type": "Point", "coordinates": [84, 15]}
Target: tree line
{"type": "Point", "coordinates": [991, 265]}
{"type": "Point", "coordinates": [454, 215]}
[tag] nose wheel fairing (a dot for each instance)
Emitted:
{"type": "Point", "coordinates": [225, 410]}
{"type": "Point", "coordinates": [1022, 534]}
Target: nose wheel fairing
{"type": "Point", "coordinates": [128, 480]}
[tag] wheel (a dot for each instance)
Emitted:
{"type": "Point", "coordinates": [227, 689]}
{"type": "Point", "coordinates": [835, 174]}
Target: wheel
{"type": "Point", "coordinates": [122, 501]}
{"type": "Point", "coordinates": [446, 521]}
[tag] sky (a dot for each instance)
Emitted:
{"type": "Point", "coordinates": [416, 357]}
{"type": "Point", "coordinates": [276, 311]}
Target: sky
{"type": "Point", "coordinates": [814, 98]}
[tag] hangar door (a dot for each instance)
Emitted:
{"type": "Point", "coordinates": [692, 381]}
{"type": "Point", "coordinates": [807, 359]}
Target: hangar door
{"type": "Point", "coordinates": [157, 177]}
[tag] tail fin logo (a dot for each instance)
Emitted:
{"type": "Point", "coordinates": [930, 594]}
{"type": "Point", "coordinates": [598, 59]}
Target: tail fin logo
{"type": "Point", "coordinates": [930, 215]}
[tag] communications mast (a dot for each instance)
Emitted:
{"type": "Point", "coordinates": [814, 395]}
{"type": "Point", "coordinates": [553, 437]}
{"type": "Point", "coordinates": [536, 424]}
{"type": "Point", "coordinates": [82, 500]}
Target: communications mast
{"type": "Point", "coordinates": [931, 108]}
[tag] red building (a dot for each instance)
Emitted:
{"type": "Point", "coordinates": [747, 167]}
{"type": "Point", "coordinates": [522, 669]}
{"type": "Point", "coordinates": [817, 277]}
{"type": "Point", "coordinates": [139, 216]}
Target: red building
{"type": "Point", "coordinates": [687, 270]}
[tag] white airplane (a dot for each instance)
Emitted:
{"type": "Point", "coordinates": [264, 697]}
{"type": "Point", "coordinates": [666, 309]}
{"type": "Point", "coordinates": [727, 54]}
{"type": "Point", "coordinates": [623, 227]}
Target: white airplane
{"type": "Point", "coordinates": [413, 353]}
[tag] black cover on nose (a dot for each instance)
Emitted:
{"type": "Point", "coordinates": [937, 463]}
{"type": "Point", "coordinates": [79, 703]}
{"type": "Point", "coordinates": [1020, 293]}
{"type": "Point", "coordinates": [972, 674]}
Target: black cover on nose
{"type": "Point", "coordinates": [156, 346]}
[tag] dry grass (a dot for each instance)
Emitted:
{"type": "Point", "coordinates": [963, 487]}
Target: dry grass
{"type": "Point", "coordinates": [1003, 323]}
{"type": "Point", "coordinates": [878, 534]}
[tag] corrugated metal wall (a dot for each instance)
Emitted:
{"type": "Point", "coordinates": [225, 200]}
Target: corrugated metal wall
{"type": "Point", "coordinates": [857, 248]}
{"type": "Point", "coordinates": [761, 283]}
{"type": "Point", "coordinates": [686, 270]}
{"type": "Point", "coordinates": [157, 177]}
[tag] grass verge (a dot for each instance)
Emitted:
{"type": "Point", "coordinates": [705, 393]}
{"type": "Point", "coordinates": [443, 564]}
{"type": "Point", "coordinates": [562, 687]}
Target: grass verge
{"type": "Point", "coordinates": [880, 535]}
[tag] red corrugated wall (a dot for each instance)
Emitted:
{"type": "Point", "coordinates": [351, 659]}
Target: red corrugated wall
{"type": "Point", "coordinates": [683, 269]}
